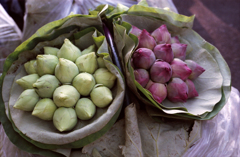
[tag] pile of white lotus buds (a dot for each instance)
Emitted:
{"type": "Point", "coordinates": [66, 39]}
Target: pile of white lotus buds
{"type": "Point", "coordinates": [65, 84]}
{"type": "Point", "coordinates": [160, 66]}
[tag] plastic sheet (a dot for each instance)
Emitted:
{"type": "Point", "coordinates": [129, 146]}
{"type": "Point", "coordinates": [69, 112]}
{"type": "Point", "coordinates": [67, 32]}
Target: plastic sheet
{"type": "Point", "coordinates": [220, 135]}
{"type": "Point", "coordinates": [10, 36]}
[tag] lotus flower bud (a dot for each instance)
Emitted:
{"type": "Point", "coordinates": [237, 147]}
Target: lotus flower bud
{"type": "Point", "coordinates": [101, 96]}
{"type": "Point", "coordinates": [175, 40]}
{"type": "Point", "coordinates": [100, 62]}
{"type": "Point", "coordinates": [85, 109]}
{"type": "Point", "coordinates": [91, 48]}
{"type": "Point", "coordinates": [141, 76]}
{"type": "Point", "coordinates": [65, 96]}
{"type": "Point", "coordinates": [50, 50]}
{"type": "Point", "coordinates": [164, 52]}
{"type": "Point", "coordinates": [87, 63]}
{"type": "Point", "coordinates": [64, 119]}
{"type": "Point", "coordinates": [158, 91]}
{"type": "Point", "coordinates": [84, 83]}
{"type": "Point", "coordinates": [66, 70]}
{"type": "Point", "coordinates": [31, 67]}
{"type": "Point", "coordinates": [160, 72]}
{"type": "Point", "coordinates": [26, 82]}
{"type": "Point", "coordinates": [143, 58]}
{"type": "Point", "coordinates": [44, 109]}
{"type": "Point", "coordinates": [46, 64]}
{"type": "Point", "coordinates": [180, 69]}
{"type": "Point", "coordinates": [46, 85]}
{"type": "Point", "coordinates": [146, 40]}
{"type": "Point", "coordinates": [197, 70]}
{"type": "Point", "coordinates": [179, 50]}
{"type": "Point", "coordinates": [105, 77]}
{"type": "Point", "coordinates": [27, 100]}
{"type": "Point", "coordinates": [136, 31]}
{"type": "Point", "coordinates": [161, 35]}
{"type": "Point", "coordinates": [192, 92]}
{"type": "Point", "coordinates": [177, 90]}
{"type": "Point", "coordinates": [69, 51]}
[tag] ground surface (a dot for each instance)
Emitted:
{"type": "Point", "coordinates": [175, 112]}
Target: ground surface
{"type": "Point", "coordinates": [218, 22]}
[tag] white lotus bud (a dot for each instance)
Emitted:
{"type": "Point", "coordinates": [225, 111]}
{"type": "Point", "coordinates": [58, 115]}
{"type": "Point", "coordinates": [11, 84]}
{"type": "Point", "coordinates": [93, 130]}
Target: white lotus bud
{"type": "Point", "coordinates": [100, 62]}
{"type": "Point", "coordinates": [84, 83]}
{"type": "Point", "coordinates": [65, 96]}
{"type": "Point", "coordinates": [85, 109]}
{"type": "Point", "coordinates": [101, 96]}
{"type": "Point", "coordinates": [64, 119]}
{"type": "Point", "coordinates": [26, 82]}
{"type": "Point", "coordinates": [105, 77]}
{"type": "Point", "coordinates": [46, 85]}
{"type": "Point", "coordinates": [66, 70]}
{"type": "Point", "coordinates": [31, 67]}
{"type": "Point", "coordinates": [46, 64]}
{"type": "Point", "coordinates": [87, 63]}
{"type": "Point", "coordinates": [27, 100]}
{"type": "Point", "coordinates": [44, 109]}
{"type": "Point", "coordinates": [50, 50]}
{"type": "Point", "coordinates": [69, 51]}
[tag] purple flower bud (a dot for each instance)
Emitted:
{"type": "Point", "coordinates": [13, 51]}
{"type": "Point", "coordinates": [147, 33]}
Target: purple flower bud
{"type": "Point", "coordinates": [143, 58]}
{"type": "Point", "coordinates": [192, 92]}
{"type": "Point", "coordinates": [160, 71]}
{"type": "Point", "coordinates": [136, 31]}
{"type": "Point", "coordinates": [158, 91]}
{"type": "Point", "coordinates": [196, 69]}
{"type": "Point", "coordinates": [141, 76]}
{"type": "Point", "coordinates": [164, 52]}
{"type": "Point", "coordinates": [175, 40]}
{"type": "Point", "coordinates": [180, 69]}
{"type": "Point", "coordinates": [177, 90]}
{"type": "Point", "coordinates": [161, 35]}
{"type": "Point", "coordinates": [146, 40]}
{"type": "Point", "coordinates": [179, 50]}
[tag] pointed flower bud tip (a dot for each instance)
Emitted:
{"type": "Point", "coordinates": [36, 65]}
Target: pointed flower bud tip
{"type": "Point", "coordinates": [161, 35]}
{"type": "Point", "coordinates": [179, 50]}
{"type": "Point", "coordinates": [164, 52]}
{"type": "Point", "coordinates": [180, 69]}
{"type": "Point", "coordinates": [146, 40]}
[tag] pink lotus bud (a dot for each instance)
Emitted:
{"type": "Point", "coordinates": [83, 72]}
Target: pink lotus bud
{"type": "Point", "coordinates": [175, 40]}
{"type": "Point", "coordinates": [179, 50]}
{"type": "Point", "coordinates": [141, 76]}
{"type": "Point", "coordinates": [191, 89]}
{"type": "Point", "coordinates": [164, 52]}
{"type": "Point", "coordinates": [158, 91]}
{"type": "Point", "coordinates": [196, 69]}
{"type": "Point", "coordinates": [143, 58]}
{"type": "Point", "coordinates": [161, 35]}
{"type": "Point", "coordinates": [180, 69]}
{"type": "Point", "coordinates": [146, 40]}
{"type": "Point", "coordinates": [160, 71]}
{"type": "Point", "coordinates": [136, 31]}
{"type": "Point", "coordinates": [177, 90]}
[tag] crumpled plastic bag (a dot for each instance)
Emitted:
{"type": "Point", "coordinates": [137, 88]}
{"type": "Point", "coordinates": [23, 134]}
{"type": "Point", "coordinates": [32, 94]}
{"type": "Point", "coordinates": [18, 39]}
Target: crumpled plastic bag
{"type": "Point", "coordinates": [10, 36]}
{"type": "Point", "coordinates": [220, 135]}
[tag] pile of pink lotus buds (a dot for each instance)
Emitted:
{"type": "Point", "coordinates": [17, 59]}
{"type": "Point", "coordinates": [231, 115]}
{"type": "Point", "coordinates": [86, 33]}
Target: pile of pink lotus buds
{"type": "Point", "coordinates": [160, 66]}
